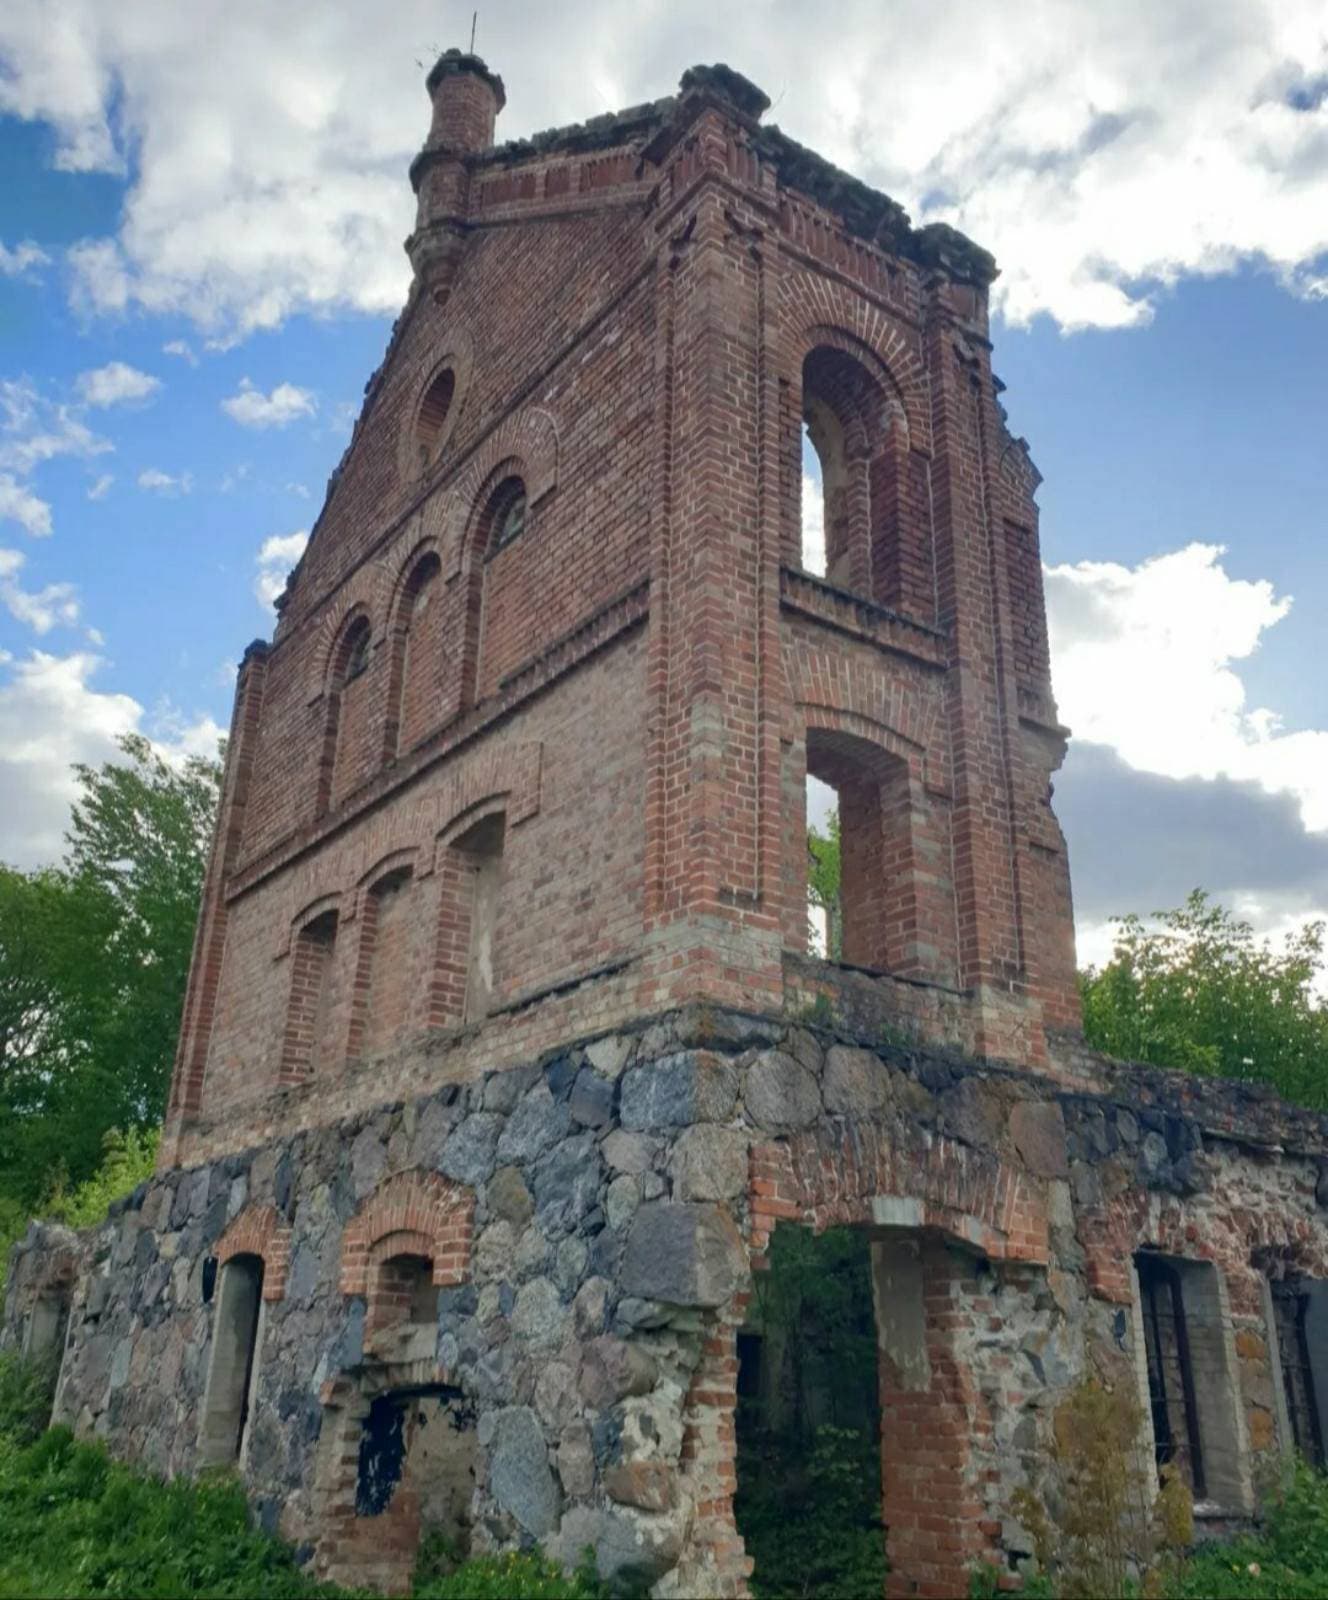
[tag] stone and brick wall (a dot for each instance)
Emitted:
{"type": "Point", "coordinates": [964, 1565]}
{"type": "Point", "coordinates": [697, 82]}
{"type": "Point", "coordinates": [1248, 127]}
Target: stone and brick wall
{"type": "Point", "coordinates": [592, 1220]}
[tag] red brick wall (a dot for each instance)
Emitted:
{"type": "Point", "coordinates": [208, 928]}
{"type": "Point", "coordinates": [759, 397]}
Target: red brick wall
{"type": "Point", "coordinates": [570, 898]}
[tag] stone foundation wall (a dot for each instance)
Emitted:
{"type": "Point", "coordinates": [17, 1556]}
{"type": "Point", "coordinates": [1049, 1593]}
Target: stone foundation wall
{"type": "Point", "coordinates": [590, 1224]}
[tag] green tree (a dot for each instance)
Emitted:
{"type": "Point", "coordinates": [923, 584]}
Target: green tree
{"type": "Point", "coordinates": [1200, 992]}
{"type": "Point", "coordinates": [823, 876]}
{"type": "Point", "coordinates": [94, 957]}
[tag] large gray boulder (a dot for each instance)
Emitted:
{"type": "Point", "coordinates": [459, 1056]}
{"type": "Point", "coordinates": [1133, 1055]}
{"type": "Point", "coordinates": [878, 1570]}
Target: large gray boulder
{"type": "Point", "coordinates": [683, 1254]}
{"type": "Point", "coordinates": [520, 1477]}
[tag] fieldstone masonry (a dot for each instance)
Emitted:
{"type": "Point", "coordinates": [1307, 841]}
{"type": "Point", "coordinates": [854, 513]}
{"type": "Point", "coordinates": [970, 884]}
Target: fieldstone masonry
{"type": "Point", "coordinates": [504, 1053]}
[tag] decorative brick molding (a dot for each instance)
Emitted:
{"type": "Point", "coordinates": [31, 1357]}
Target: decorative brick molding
{"type": "Point", "coordinates": [260, 1231]}
{"type": "Point", "coordinates": [822, 1180]}
{"type": "Point", "coordinates": [412, 1213]}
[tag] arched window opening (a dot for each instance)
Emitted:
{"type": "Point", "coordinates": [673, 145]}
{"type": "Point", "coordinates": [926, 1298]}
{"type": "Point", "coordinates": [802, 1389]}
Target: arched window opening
{"type": "Point", "coordinates": [859, 866]}
{"type": "Point", "coordinates": [848, 465]}
{"type": "Point", "coordinates": [813, 507]}
{"type": "Point", "coordinates": [385, 975]}
{"type": "Point", "coordinates": [413, 697]}
{"type": "Point", "coordinates": [466, 969]}
{"type": "Point", "coordinates": [233, 1371]}
{"type": "Point", "coordinates": [435, 409]}
{"type": "Point", "coordinates": [306, 1041]}
{"type": "Point", "coordinates": [347, 715]}
{"type": "Point", "coordinates": [507, 514]}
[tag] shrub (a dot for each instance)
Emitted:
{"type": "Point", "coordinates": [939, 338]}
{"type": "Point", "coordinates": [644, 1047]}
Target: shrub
{"type": "Point", "coordinates": [77, 1523]}
{"type": "Point", "coordinates": [812, 1519]}
{"type": "Point", "coordinates": [1286, 1560]}
{"type": "Point", "coordinates": [26, 1391]}
{"type": "Point", "coordinates": [1093, 1527]}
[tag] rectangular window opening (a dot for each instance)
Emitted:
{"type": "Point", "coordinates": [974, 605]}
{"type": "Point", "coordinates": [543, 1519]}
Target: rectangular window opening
{"type": "Point", "coordinates": [1292, 1310]}
{"type": "Point", "coordinates": [1171, 1393]}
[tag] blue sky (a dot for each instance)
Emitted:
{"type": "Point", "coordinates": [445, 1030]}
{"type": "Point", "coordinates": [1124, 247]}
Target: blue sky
{"type": "Point", "coordinates": [198, 272]}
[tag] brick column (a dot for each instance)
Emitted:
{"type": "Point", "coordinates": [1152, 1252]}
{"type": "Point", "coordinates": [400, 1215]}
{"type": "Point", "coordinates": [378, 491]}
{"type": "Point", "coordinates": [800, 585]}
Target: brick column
{"type": "Point", "coordinates": [981, 691]}
{"type": "Point", "coordinates": [210, 935]}
{"type": "Point", "coordinates": [932, 1509]}
{"type": "Point", "coordinates": [712, 866]}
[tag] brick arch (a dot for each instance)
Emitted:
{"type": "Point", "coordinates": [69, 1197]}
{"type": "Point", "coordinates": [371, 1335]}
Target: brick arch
{"type": "Point", "coordinates": [526, 445]}
{"type": "Point", "coordinates": [309, 909]}
{"type": "Point", "coordinates": [898, 716]}
{"type": "Point", "coordinates": [407, 856]}
{"type": "Point", "coordinates": [831, 337]}
{"type": "Point", "coordinates": [876, 1176]}
{"type": "Point", "coordinates": [435, 1216]}
{"type": "Point", "coordinates": [362, 596]}
{"type": "Point", "coordinates": [259, 1231]}
{"type": "Point", "coordinates": [513, 774]}
{"type": "Point", "coordinates": [809, 306]}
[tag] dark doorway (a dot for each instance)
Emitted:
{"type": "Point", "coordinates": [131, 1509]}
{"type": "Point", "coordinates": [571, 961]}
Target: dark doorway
{"type": "Point", "coordinates": [808, 1501]}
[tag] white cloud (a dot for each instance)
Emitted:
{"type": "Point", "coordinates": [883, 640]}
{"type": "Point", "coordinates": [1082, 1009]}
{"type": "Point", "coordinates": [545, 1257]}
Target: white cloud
{"type": "Point", "coordinates": [180, 348]}
{"type": "Point", "coordinates": [276, 556]}
{"type": "Point", "coordinates": [40, 609]}
{"type": "Point", "coordinates": [254, 409]}
{"type": "Point", "coordinates": [813, 524]}
{"type": "Point", "coordinates": [101, 487]}
{"type": "Point", "coordinates": [19, 504]}
{"type": "Point", "coordinates": [1146, 661]}
{"type": "Point", "coordinates": [51, 716]}
{"type": "Point", "coordinates": [156, 481]}
{"type": "Point", "coordinates": [1094, 149]}
{"type": "Point", "coordinates": [116, 384]}
{"type": "Point", "coordinates": [34, 429]}
{"type": "Point", "coordinates": [100, 284]}
{"type": "Point", "coordinates": [19, 262]}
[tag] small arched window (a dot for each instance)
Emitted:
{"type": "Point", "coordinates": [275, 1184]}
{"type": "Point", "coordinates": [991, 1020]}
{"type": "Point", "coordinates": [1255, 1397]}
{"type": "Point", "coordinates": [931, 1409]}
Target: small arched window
{"type": "Point", "coordinates": [507, 513]}
{"type": "Point", "coordinates": [342, 761]}
{"type": "Point", "coordinates": [417, 646]}
{"type": "Point", "coordinates": [357, 653]}
{"type": "Point", "coordinates": [431, 423]}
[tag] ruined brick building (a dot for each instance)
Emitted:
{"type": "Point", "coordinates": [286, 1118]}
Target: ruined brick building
{"type": "Point", "coordinates": [504, 1051]}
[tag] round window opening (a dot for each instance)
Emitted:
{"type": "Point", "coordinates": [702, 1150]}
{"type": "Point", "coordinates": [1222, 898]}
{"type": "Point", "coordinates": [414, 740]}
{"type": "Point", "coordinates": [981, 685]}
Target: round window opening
{"type": "Point", "coordinates": [509, 512]}
{"type": "Point", "coordinates": [434, 411]}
